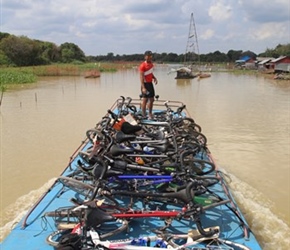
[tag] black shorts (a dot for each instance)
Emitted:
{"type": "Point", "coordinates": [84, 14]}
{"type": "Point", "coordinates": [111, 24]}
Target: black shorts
{"type": "Point", "coordinates": [150, 90]}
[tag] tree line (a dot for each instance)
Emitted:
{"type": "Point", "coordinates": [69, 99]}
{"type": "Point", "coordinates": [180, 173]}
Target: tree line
{"type": "Point", "coordinates": [23, 51]}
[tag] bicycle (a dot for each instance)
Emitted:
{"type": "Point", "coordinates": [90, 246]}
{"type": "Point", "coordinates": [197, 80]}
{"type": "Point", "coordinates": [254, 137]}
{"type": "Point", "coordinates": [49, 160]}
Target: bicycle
{"type": "Point", "coordinates": [94, 215]}
{"type": "Point", "coordinates": [120, 172]}
{"type": "Point", "coordinates": [149, 242]}
{"type": "Point", "coordinates": [110, 151]}
{"type": "Point", "coordinates": [171, 142]}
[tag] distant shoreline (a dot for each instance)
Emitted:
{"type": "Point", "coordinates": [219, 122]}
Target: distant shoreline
{"type": "Point", "coordinates": [11, 76]}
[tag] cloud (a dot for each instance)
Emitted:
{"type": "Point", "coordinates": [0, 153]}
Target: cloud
{"type": "Point", "coordinates": [266, 31]}
{"type": "Point", "coordinates": [261, 12]}
{"type": "Point", "coordinates": [220, 11]}
{"type": "Point", "coordinates": [207, 34]}
{"type": "Point", "coordinates": [130, 26]}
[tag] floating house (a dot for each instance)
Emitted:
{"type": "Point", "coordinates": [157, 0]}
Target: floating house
{"type": "Point", "coordinates": [246, 62]}
{"type": "Point", "coordinates": [265, 64]}
{"type": "Point", "coordinates": [281, 64]}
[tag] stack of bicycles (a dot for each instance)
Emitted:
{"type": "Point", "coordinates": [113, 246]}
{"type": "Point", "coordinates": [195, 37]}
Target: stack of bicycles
{"type": "Point", "coordinates": [145, 184]}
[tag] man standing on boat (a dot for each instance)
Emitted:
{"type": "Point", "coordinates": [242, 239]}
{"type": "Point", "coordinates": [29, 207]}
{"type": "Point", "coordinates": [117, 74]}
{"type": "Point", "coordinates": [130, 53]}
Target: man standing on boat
{"type": "Point", "coordinates": [147, 79]}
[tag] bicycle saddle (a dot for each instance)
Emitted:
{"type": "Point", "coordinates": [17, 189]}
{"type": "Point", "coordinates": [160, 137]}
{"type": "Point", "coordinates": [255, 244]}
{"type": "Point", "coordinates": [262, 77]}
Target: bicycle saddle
{"type": "Point", "coordinates": [121, 137]}
{"type": "Point", "coordinates": [117, 150]}
{"type": "Point", "coordinates": [128, 128]}
{"type": "Point", "coordinates": [96, 216]}
{"type": "Point", "coordinates": [161, 146]}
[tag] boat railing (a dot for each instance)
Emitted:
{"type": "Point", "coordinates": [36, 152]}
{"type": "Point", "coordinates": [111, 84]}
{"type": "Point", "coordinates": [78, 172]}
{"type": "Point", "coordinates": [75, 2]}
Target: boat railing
{"type": "Point", "coordinates": [158, 104]}
{"type": "Point", "coordinates": [73, 156]}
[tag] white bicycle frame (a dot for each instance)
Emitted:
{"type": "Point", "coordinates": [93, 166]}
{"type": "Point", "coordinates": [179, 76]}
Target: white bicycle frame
{"type": "Point", "coordinates": [127, 244]}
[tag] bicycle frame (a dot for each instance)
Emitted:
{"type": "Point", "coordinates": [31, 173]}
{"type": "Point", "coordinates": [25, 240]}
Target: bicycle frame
{"type": "Point", "coordinates": [143, 243]}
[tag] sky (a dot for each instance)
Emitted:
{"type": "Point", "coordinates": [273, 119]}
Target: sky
{"type": "Point", "coordinates": [128, 27]}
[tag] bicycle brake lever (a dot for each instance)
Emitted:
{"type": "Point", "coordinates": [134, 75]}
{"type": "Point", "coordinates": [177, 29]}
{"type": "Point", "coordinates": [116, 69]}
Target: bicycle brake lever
{"type": "Point", "coordinates": [194, 212]}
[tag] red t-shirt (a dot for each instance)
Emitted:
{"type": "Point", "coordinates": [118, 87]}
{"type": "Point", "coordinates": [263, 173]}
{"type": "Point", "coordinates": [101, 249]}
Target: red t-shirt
{"type": "Point", "coordinates": [147, 69]}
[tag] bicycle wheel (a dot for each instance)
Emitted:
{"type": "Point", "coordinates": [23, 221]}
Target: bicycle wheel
{"type": "Point", "coordinates": [110, 229]}
{"type": "Point", "coordinates": [178, 240]}
{"type": "Point", "coordinates": [93, 134]}
{"type": "Point", "coordinates": [207, 180]}
{"type": "Point", "coordinates": [187, 124]}
{"type": "Point", "coordinates": [77, 186]}
{"type": "Point", "coordinates": [53, 238]}
{"type": "Point", "coordinates": [194, 166]}
{"type": "Point", "coordinates": [200, 137]}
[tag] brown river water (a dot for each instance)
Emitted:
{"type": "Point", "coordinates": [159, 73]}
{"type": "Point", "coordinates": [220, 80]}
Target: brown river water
{"type": "Point", "coordinates": [245, 118]}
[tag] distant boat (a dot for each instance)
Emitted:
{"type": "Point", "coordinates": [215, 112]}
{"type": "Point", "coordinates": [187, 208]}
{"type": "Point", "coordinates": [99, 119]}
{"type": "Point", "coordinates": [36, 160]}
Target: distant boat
{"type": "Point", "coordinates": [281, 76]}
{"type": "Point", "coordinates": [203, 75]}
{"type": "Point", "coordinates": [184, 73]}
{"type": "Point", "coordinates": [191, 54]}
{"type": "Point", "coordinates": [92, 74]}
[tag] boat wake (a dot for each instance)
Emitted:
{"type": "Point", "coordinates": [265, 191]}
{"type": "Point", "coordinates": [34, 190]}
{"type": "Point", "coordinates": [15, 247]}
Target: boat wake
{"type": "Point", "coordinates": [15, 212]}
{"type": "Point", "coordinates": [256, 209]}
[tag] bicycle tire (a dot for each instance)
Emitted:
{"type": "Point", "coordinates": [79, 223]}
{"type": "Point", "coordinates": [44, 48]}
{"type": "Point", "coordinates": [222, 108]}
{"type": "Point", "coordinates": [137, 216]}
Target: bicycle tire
{"type": "Point", "coordinates": [103, 235]}
{"type": "Point", "coordinates": [53, 238]}
{"type": "Point", "coordinates": [106, 231]}
{"type": "Point", "coordinates": [109, 205]}
{"type": "Point", "coordinates": [194, 127]}
{"type": "Point", "coordinates": [199, 136]}
{"type": "Point", "coordinates": [91, 133]}
{"type": "Point", "coordinates": [195, 166]}
{"type": "Point", "coordinates": [187, 124]}
{"type": "Point", "coordinates": [191, 136]}
{"type": "Point", "coordinates": [208, 180]}
{"type": "Point", "coordinates": [193, 234]}
{"type": "Point", "coordinates": [77, 186]}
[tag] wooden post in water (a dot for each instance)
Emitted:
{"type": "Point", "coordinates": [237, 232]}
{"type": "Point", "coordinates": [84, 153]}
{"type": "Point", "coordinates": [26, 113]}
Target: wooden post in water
{"type": "Point", "coordinates": [2, 93]}
{"type": "Point", "coordinates": [2, 89]}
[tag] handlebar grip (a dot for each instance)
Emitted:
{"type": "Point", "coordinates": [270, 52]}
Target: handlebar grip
{"type": "Point", "coordinates": [114, 116]}
{"type": "Point", "coordinates": [179, 110]}
{"type": "Point", "coordinates": [208, 233]}
{"type": "Point", "coordinates": [132, 108]}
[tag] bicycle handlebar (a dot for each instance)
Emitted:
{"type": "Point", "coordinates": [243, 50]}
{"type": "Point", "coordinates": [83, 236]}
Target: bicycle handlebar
{"type": "Point", "coordinates": [114, 116]}
{"type": "Point", "coordinates": [180, 109]}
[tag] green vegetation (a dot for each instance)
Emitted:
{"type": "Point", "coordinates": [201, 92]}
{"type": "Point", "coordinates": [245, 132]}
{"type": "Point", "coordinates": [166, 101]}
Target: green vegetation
{"type": "Point", "coordinates": [23, 51]}
{"type": "Point", "coordinates": [23, 59]}
{"type": "Point", "coordinates": [280, 50]}
{"type": "Point", "coordinates": [22, 75]}
{"type": "Point", "coordinates": [16, 76]}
